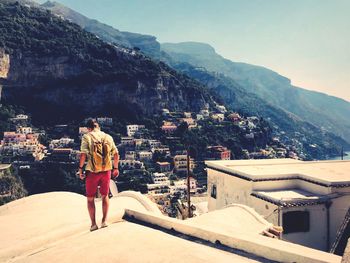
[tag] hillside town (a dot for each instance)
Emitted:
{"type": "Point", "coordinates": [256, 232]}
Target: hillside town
{"type": "Point", "coordinates": [156, 166]}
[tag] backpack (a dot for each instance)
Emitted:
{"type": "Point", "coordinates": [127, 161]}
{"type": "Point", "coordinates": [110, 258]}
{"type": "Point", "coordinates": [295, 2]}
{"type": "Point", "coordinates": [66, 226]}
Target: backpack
{"type": "Point", "coordinates": [101, 159]}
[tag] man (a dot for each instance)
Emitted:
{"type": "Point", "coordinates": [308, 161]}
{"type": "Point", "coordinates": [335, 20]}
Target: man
{"type": "Point", "coordinates": [96, 173]}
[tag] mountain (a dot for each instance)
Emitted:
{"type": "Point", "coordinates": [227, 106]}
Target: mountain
{"type": "Point", "coordinates": [327, 112]}
{"type": "Point", "coordinates": [59, 71]}
{"type": "Point", "coordinates": [263, 82]}
{"type": "Point", "coordinates": [146, 43]}
{"type": "Point", "coordinates": [291, 129]}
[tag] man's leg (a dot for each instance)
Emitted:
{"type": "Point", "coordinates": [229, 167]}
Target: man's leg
{"type": "Point", "coordinates": [91, 208]}
{"type": "Point", "coordinates": [104, 190]}
{"type": "Point", "coordinates": [105, 206]}
{"type": "Point", "coordinates": [91, 187]}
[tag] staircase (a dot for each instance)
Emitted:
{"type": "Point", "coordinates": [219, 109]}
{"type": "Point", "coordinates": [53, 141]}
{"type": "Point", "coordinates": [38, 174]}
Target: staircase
{"type": "Point", "coordinates": [342, 236]}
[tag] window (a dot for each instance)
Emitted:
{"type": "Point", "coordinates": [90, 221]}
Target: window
{"type": "Point", "coordinates": [213, 191]}
{"type": "Point", "coordinates": [296, 221]}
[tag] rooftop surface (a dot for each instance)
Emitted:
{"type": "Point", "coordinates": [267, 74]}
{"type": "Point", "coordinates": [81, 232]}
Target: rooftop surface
{"type": "Point", "coordinates": [326, 172]}
{"type": "Point", "coordinates": [53, 227]}
{"type": "Point", "coordinates": [41, 234]}
{"type": "Point", "coordinates": [291, 197]}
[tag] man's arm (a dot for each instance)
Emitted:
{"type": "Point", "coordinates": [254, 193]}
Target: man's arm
{"type": "Point", "coordinates": [81, 164]}
{"type": "Point", "coordinates": [115, 164]}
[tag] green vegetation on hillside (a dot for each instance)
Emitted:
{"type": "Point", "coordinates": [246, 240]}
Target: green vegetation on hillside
{"type": "Point", "coordinates": [11, 186]}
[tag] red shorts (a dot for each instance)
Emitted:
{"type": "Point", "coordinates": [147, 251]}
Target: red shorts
{"type": "Point", "coordinates": [93, 180]}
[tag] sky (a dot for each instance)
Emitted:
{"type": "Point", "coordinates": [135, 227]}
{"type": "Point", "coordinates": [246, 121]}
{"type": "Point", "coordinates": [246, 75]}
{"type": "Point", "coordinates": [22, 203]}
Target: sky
{"type": "Point", "coordinates": [307, 41]}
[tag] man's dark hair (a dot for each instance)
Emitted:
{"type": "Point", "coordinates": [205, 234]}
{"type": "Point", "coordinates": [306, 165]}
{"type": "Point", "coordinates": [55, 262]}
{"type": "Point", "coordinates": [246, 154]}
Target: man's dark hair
{"type": "Point", "coordinates": [92, 124]}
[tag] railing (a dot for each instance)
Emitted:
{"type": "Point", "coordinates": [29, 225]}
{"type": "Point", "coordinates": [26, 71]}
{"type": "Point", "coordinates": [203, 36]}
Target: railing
{"type": "Point", "coordinates": [340, 232]}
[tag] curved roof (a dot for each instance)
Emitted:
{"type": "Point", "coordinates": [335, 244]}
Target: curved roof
{"type": "Point", "coordinates": [55, 225]}
{"type": "Point", "coordinates": [235, 219]}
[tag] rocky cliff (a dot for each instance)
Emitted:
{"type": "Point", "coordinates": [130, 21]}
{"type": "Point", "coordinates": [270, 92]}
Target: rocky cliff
{"type": "Point", "coordinates": [57, 66]}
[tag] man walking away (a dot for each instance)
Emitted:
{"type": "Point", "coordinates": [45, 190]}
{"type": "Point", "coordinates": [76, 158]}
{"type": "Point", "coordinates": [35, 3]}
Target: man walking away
{"type": "Point", "coordinates": [97, 148]}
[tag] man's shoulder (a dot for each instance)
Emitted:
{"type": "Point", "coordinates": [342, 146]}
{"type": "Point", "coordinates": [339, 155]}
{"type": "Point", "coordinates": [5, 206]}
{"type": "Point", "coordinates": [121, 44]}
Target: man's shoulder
{"type": "Point", "coordinates": [109, 137]}
{"type": "Point", "coordinates": [85, 136]}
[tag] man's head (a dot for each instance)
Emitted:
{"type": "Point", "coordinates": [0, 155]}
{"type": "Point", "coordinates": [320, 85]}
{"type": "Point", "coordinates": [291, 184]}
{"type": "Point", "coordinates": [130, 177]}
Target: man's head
{"type": "Point", "coordinates": [91, 124]}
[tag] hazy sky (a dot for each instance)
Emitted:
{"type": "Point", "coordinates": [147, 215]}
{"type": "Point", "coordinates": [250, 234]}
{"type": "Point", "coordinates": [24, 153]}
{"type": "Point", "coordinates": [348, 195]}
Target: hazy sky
{"type": "Point", "coordinates": [307, 41]}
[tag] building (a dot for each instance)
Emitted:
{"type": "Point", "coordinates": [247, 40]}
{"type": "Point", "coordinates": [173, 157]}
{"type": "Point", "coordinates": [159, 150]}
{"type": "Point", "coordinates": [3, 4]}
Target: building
{"type": "Point", "coordinates": [160, 178]}
{"type": "Point", "coordinates": [20, 117]}
{"type": "Point", "coordinates": [154, 143]}
{"type": "Point", "coordinates": [190, 121]}
{"type": "Point", "coordinates": [14, 143]}
{"type": "Point", "coordinates": [178, 186]}
{"type": "Point", "coordinates": [205, 113]}
{"type": "Point", "coordinates": [218, 153]}
{"type": "Point", "coordinates": [127, 141]}
{"type": "Point", "coordinates": [132, 129]}
{"type": "Point", "coordinates": [163, 167]}
{"type": "Point", "coordinates": [105, 121]}
{"type": "Point", "coordinates": [180, 163]}
{"type": "Point", "coordinates": [234, 117]}
{"type": "Point", "coordinates": [130, 155]}
{"type": "Point", "coordinates": [249, 136]}
{"type": "Point", "coordinates": [308, 199]}
{"type": "Point", "coordinates": [158, 189]}
{"type": "Point", "coordinates": [165, 112]}
{"type": "Point", "coordinates": [193, 185]}
{"type": "Point", "coordinates": [24, 130]}
{"type": "Point", "coordinates": [131, 164]}
{"type": "Point", "coordinates": [145, 156]}
{"type": "Point", "coordinates": [221, 108]}
{"type": "Point", "coordinates": [217, 117]}
{"type": "Point", "coordinates": [140, 143]}
{"type": "Point", "coordinates": [168, 127]}
{"type": "Point", "coordinates": [199, 117]}
{"type": "Point", "coordinates": [162, 149]}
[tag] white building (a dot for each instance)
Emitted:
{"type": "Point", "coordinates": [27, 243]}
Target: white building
{"type": "Point", "coordinates": [24, 130]}
{"type": "Point", "coordinates": [180, 163]}
{"type": "Point", "coordinates": [218, 117]}
{"type": "Point", "coordinates": [160, 178]}
{"type": "Point", "coordinates": [308, 199]}
{"type": "Point", "coordinates": [145, 155]}
{"type": "Point", "coordinates": [158, 189]}
{"type": "Point", "coordinates": [106, 121]}
{"type": "Point", "coordinates": [131, 164]}
{"type": "Point", "coordinates": [130, 155]}
{"type": "Point", "coordinates": [132, 129]}
{"type": "Point", "coordinates": [179, 186]}
{"type": "Point", "coordinates": [187, 114]}
{"type": "Point", "coordinates": [21, 117]}
{"type": "Point", "coordinates": [154, 143]}
{"type": "Point", "coordinates": [221, 108]}
{"type": "Point", "coordinates": [199, 117]}
{"type": "Point", "coordinates": [205, 113]}
{"type": "Point", "coordinates": [193, 185]}
{"type": "Point", "coordinates": [127, 141]}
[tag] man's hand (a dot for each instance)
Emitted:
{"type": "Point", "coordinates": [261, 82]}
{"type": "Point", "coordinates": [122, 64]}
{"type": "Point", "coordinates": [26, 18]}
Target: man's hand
{"type": "Point", "coordinates": [81, 174]}
{"type": "Point", "coordinates": [115, 173]}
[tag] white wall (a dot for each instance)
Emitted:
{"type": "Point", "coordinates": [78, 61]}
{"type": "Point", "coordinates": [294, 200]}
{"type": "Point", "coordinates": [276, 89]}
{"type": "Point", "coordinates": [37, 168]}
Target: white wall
{"type": "Point", "coordinates": [229, 190]}
{"type": "Point", "coordinates": [317, 236]}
